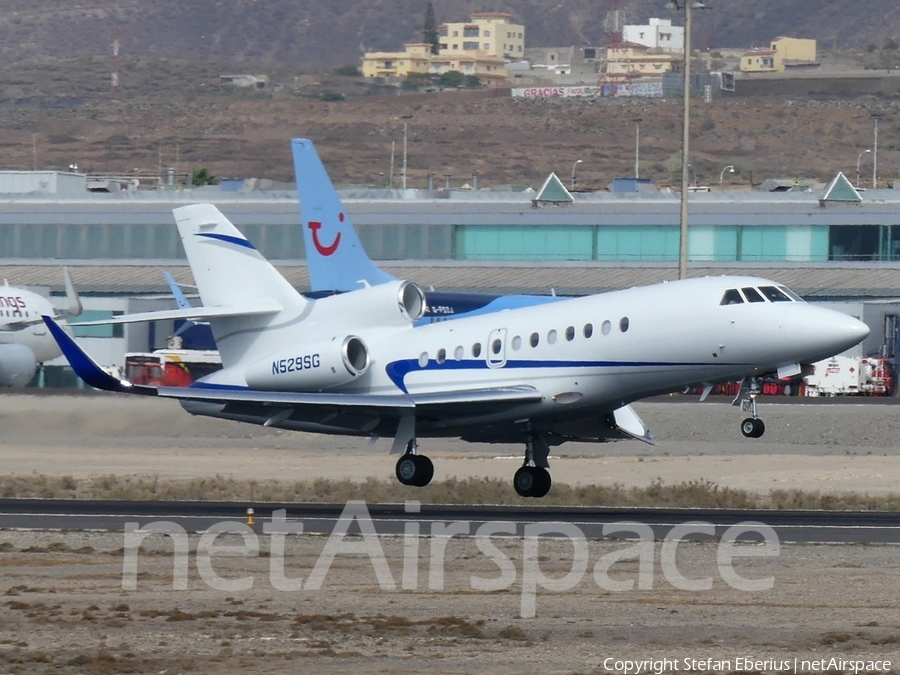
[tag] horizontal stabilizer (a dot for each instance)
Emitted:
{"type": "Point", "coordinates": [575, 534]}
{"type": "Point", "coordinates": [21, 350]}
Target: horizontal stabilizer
{"type": "Point", "coordinates": [189, 313]}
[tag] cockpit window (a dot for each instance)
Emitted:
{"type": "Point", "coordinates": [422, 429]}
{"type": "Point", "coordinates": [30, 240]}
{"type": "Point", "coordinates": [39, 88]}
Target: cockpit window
{"type": "Point", "coordinates": [773, 294]}
{"type": "Point", "coordinates": [752, 294]}
{"type": "Point", "coordinates": [732, 297]}
{"type": "Point", "coordinates": [793, 296]}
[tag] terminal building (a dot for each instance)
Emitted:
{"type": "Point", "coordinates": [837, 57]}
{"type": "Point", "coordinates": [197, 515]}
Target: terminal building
{"type": "Point", "coordinates": [826, 247]}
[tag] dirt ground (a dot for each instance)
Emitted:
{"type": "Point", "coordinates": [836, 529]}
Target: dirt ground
{"type": "Point", "coordinates": [816, 446]}
{"type": "Point", "coordinates": [65, 608]}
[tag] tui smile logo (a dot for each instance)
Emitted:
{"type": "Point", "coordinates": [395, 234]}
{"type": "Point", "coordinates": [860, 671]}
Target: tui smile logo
{"type": "Point", "coordinates": [321, 248]}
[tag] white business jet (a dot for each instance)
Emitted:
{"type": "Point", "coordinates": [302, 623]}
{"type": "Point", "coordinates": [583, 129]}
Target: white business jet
{"type": "Point", "coordinates": [355, 363]}
{"type": "Point", "coordinates": [24, 340]}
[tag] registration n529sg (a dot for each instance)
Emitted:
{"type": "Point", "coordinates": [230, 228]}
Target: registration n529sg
{"type": "Point", "coordinates": [295, 364]}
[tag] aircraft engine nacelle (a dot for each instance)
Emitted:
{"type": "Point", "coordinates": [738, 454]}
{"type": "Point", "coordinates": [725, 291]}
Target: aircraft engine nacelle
{"type": "Point", "coordinates": [311, 367]}
{"type": "Point", "coordinates": [17, 365]}
{"type": "Point", "coordinates": [396, 303]}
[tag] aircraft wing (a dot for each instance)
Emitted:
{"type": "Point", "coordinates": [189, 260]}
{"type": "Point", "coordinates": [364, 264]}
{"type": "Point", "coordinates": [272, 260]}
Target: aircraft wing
{"type": "Point", "coordinates": [455, 402]}
{"type": "Point", "coordinates": [193, 313]}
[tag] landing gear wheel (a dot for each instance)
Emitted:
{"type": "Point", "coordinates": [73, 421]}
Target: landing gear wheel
{"type": "Point", "coordinates": [760, 428]}
{"type": "Point", "coordinates": [415, 470]}
{"type": "Point", "coordinates": [532, 481]}
{"type": "Point", "coordinates": [753, 428]}
{"type": "Point", "coordinates": [425, 471]}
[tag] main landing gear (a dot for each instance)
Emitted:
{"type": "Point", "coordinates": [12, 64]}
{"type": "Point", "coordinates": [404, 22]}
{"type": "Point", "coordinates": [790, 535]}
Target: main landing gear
{"type": "Point", "coordinates": [533, 479]}
{"type": "Point", "coordinates": [751, 427]}
{"type": "Point", "coordinates": [414, 469]}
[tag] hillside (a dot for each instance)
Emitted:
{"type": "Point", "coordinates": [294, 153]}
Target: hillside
{"type": "Point", "coordinates": [181, 118]}
{"type": "Point", "coordinates": [303, 33]}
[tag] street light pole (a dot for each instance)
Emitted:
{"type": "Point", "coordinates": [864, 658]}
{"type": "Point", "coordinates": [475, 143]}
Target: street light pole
{"type": "Point", "coordinates": [404, 155]}
{"type": "Point", "coordinates": [637, 148]}
{"type": "Point", "coordinates": [857, 164]}
{"type": "Point", "coordinates": [577, 162]}
{"type": "Point", "coordinates": [875, 153]}
{"type": "Point", "coordinates": [729, 169]}
{"type": "Point", "coordinates": [685, 135]}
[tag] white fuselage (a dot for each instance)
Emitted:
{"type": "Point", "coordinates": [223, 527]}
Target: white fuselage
{"type": "Point", "coordinates": [20, 322]}
{"type": "Point", "coordinates": [592, 354]}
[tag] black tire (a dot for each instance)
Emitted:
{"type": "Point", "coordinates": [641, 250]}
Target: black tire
{"type": "Point", "coordinates": [425, 470]}
{"type": "Point", "coordinates": [542, 482]}
{"type": "Point", "coordinates": [524, 481]}
{"type": "Point", "coordinates": [748, 427]}
{"type": "Point", "coordinates": [759, 428]}
{"type": "Point", "coordinates": [407, 469]}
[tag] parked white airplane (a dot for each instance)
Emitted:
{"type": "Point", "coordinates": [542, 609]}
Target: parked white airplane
{"type": "Point", "coordinates": [24, 340]}
{"type": "Point", "coordinates": [355, 363]}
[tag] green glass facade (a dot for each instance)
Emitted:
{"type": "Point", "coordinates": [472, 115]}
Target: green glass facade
{"type": "Point", "coordinates": [647, 243]}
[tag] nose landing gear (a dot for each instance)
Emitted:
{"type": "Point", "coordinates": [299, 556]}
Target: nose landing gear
{"type": "Point", "coordinates": [751, 427]}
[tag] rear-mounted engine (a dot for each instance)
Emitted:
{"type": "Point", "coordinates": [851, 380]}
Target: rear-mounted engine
{"type": "Point", "coordinates": [311, 367]}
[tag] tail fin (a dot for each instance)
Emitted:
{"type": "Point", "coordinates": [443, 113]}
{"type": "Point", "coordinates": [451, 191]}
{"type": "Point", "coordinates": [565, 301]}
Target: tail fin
{"type": "Point", "coordinates": [335, 257]}
{"type": "Point", "coordinates": [227, 269]}
{"type": "Point", "coordinates": [177, 293]}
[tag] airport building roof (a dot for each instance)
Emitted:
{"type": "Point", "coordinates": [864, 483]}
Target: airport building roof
{"type": "Point", "coordinates": [815, 281]}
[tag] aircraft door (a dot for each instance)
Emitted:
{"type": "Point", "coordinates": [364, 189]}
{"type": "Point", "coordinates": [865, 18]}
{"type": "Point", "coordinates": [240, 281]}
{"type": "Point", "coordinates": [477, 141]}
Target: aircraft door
{"type": "Point", "coordinates": [495, 353]}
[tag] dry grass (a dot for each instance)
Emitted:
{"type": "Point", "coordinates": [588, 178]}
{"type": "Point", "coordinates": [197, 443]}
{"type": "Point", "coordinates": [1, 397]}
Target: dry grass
{"type": "Point", "coordinates": [699, 493]}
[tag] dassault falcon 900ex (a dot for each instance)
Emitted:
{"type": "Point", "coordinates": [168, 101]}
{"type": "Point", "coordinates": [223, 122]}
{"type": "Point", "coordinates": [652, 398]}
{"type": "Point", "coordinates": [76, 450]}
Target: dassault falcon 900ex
{"type": "Point", "coordinates": [356, 363]}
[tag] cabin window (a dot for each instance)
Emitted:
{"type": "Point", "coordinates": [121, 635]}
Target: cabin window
{"type": "Point", "coordinates": [476, 350]}
{"type": "Point", "coordinates": [623, 324]}
{"type": "Point", "coordinates": [551, 337]}
{"type": "Point", "coordinates": [588, 330]}
{"type": "Point", "coordinates": [441, 355]}
{"type": "Point", "coordinates": [516, 343]}
{"type": "Point", "coordinates": [773, 294]}
{"type": "Point", "coordinates": [732, 297]}
{"type": "Point", "coordinates": [423, 359]}
{"type": "Point", "coordinates": [752, 295]}
{"type": "Point", "coordinates": [535, 339]}
{"type": "Point", "coordinates": [570, 333]}
{"type": "Point", "coordinates": [605, 327]}
{"type": "Point", "coordinates": [495, 346]}
{"type": "Point", "coordinates": [458, 354]}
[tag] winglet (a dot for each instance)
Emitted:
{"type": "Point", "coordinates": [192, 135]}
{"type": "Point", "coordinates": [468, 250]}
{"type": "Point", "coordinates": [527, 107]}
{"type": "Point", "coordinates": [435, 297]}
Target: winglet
{"type": "Point", "coordinates": [335, 257]}
{"type": "Point", "coordinates": [83, 365]}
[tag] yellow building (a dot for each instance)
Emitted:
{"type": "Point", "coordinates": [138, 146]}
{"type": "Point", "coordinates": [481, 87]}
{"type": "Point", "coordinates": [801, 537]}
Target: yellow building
{"type": "Point", "coordinates": [415, 59]}
{"type": "Point", "coordinates": [636, 60]}
{"type": "Point", "coordinates": [489, 32]}
{"type": "Point", "coordinates": [490, 69]}
{"type": "Point", "coordinates": [798, 50]}
{"type": "Point", "coordinates": [762, 61]}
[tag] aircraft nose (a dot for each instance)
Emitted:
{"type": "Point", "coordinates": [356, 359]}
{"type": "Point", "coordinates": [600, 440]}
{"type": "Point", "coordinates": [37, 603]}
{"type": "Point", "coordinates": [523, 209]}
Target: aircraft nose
{"type": "Point", "coordinates": [826, 332]}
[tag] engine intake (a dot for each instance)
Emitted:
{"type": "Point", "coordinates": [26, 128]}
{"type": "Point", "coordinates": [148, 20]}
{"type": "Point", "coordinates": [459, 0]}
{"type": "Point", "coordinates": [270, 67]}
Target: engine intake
{"type": "Point", "coordinates": [17, 365]}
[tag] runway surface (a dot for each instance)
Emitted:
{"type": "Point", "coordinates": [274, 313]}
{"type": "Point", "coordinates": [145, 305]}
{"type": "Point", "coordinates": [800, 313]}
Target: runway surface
{"type": "Point", "coordinates": [809, 527]}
